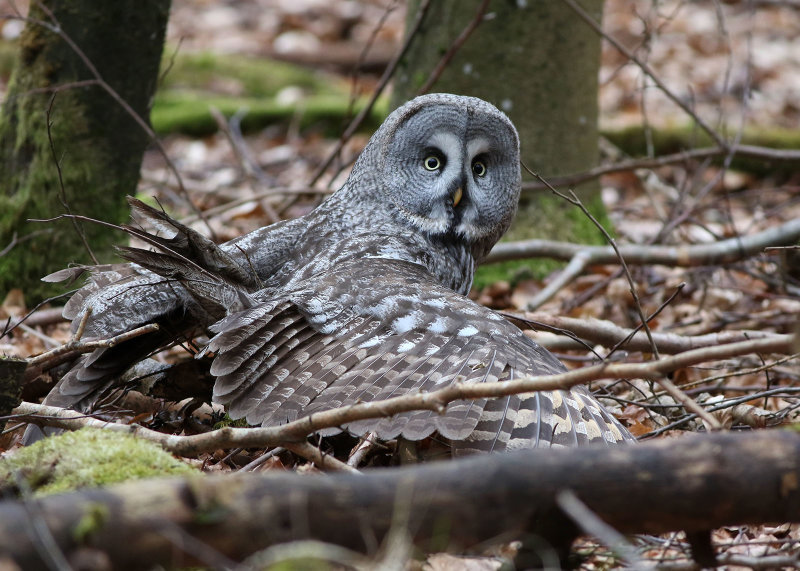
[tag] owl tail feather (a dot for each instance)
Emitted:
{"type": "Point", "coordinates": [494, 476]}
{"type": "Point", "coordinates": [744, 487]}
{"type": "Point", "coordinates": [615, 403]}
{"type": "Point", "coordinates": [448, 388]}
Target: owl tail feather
{"type": "Point", "coordinates": [196, 283]}
{"type": "Point", "coordinates": [182, 241]}
{"type": "Point", "coordinates": [217, 282]}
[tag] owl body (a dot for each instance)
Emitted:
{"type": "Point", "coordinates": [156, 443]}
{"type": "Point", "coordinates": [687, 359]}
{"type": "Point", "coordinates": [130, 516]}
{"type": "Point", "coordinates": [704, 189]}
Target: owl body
{"type": "Point", "coordinates": [361, 299]}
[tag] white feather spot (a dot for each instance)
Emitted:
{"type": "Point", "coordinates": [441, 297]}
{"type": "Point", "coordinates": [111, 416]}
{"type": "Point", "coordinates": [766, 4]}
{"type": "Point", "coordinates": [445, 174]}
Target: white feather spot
{"type": "Point", "coordinates": [371, 342]}
{"type": "Point", "coordinates": [467, 331]}
{"type": "Point", "coordinates": [437, 303]}
{"type": "Point", "coordinates": [439, 326]}
{"type": "Point", "coordinates": [405, 346]}
{"type": "Point", "coordinates": [385, 307]}
{"type": "Point", "coordinates": [405, 323]}
{"type": "Point", "coordinates": [314, 305]}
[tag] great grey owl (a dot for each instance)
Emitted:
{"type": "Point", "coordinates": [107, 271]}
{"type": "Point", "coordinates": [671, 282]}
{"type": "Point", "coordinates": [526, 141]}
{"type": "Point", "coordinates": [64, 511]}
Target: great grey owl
{"type": "Point", "coordinates": [361, 299]}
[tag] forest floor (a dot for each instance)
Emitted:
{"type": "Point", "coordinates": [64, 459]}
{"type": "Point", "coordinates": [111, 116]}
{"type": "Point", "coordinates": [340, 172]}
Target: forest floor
{"type": "Point", "coordinates": [738, 62]}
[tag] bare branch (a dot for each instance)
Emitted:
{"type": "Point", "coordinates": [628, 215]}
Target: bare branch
{"type": "Point", "coordinates": [70, 350]}
{"type": "Point", "coordinates": [436, 401]}
{"type": "Point", "coordinates": [695, 483]}
{"type": "Point", "coordinates": [608, 334]}
{"type": "Point", "coordinates": [722, 252]}
{"type": "Point", "coordinates": [665, 160]}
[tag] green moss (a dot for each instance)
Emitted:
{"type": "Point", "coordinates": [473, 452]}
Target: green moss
{"type": "Point", "coordinates": [228, 421]}
{"type": "Point", "coordinates": [667, 140]}
{"type": "Point", "coordinates": [550, 218]}
{"type": "Point", "coordinates": [87, 458]}
{"type": "Point", "coordinates": [514, 271]}
{"type": "Point", "coordinates": [94, 517]}
{"type": "Point", "coordinates": [257, 77]}
{"type": "Point", "coordinates": [8, 57]}
{"type": "Point", "coordinates": [195, 82]}
{"type": "Point", "coordinates": [584, 230]}
{"type": "Point", "coordinates": [189, 113]}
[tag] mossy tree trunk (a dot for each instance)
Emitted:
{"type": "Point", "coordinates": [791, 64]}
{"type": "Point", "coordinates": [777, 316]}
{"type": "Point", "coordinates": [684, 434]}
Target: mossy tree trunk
{"type": "Point", "coordinates": [97, 143]}
{"type": "Point", "coordinates": [538, 62]}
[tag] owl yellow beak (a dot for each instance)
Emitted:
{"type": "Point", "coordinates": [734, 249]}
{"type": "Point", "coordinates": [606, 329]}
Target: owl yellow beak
{"type": "Point", "coordinates": [457, 196]}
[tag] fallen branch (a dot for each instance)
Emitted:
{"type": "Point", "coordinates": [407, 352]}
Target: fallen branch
{"type": "Point", "coordinates": [694, 483]}
{"type": "Point", "coordinates": [70, 350]}
{"type": "Point", "coordinates": [718, 253]}
{"type": "Point", "coordinates": [298, 430]}
{"type": "Point", "coordinates": [608, 334]}
{"type": "Point", "coordinates": [754, 151]}
{"type": "Point", "coordinates": [48, 316]}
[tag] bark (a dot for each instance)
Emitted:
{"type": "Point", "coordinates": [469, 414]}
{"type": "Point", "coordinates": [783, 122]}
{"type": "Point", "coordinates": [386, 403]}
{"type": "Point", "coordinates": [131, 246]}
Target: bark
{"type": "Point", "coordinates": [96, 142]}
{"type": "Point", "coordinates": [538, 62]}
{"type": "Point", "coordinates": [695, 483]}
{"type": "Point", "coordinates": [12, 375]}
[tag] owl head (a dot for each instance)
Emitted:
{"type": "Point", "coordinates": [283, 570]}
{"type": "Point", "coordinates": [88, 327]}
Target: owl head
{"type": "Point", "coordinates": [446, 166]}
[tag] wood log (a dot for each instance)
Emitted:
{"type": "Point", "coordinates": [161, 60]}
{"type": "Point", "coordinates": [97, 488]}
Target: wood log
{"type": "Point", "coordinates": [694, 483]}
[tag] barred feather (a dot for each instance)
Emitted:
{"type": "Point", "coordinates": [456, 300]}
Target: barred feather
{"type": "Point", "coordinates": [361, 299]}
{"type": "Point", "coordinates": [363, 344]}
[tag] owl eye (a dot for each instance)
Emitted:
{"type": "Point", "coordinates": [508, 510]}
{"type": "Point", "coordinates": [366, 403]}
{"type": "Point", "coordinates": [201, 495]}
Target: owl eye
{"type": "Point", "coordinates": [479, 168]}
{"type": "Point", "coordinates": [432, 163]}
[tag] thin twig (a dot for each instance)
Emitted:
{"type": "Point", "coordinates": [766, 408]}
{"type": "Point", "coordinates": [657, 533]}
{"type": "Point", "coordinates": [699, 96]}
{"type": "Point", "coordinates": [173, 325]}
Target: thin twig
{"type": "Point", "coordinates": [382, 83]}
{"type": "Point", "coordinates": [608, 334]}
{"type": "Point", "coordinates": [648, 71]}
{"type": "Point", "coordinates": [576, 267]}
{"type": "Point", "coordinates": [437, 401]}
{"type": "Point", "coordinates": [689, 403]}
{"type": "Point", "coordinates": [63, 192]}
{"type": "Point", "coordinates": [323, 461]}
{"type": "Point", "coordinates": [573, 199]}
{"type": "Point", "coordinates": [232, 131]}
{"type": "Point", "coordinates": [37, 528]}
{"type": "Point", "coordinates": [454, 47]}
{"type": "Point", "coordinates": [665, 160]}
{"type": "Point", "coordinates": [591, 524]}
{"type": "Point", "coordinates": [68, 350]}
{"type": "Point", "coordinates": [55, 27]}
{"type": "Point", "coordinates": [652, 316]}
{"type": "Point", "coordinates": [261, 459]}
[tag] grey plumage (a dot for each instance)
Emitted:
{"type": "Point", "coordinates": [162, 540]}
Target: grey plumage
{"type": "Point", "coordinates": [361, 299]}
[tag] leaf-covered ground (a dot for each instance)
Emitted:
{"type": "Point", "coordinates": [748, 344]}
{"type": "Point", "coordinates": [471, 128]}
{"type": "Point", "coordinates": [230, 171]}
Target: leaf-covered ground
{"type": "Point", "coordinates": [738, 65]}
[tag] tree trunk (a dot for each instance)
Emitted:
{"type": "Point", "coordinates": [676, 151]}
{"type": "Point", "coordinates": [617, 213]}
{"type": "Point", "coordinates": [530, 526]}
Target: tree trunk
{"type": "Point", "coordinates": [94, 140]}
{"type": "Point", "coordinates": [538, 62]}
{"type": "Point", "coordinates": [12, 375]}
{"type": "Point", "coordinates": [695, 483]}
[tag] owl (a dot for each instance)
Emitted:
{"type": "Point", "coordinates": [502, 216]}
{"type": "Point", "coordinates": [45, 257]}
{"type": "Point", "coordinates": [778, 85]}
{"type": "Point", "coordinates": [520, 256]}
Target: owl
{"type": "Point", "coordinates": [362, 299]}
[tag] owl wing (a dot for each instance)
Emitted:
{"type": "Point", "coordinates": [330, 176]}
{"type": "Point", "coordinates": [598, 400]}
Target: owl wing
{"type": "Point", "coordinates": [183, 287]}
{"type": "Point", "coordinates": [377, 328]}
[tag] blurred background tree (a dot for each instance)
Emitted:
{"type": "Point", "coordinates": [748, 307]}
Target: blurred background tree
{"type": "Point", "coordinates": [538, 62]}
{"type": "Point", "coordinates": [91, 157]}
